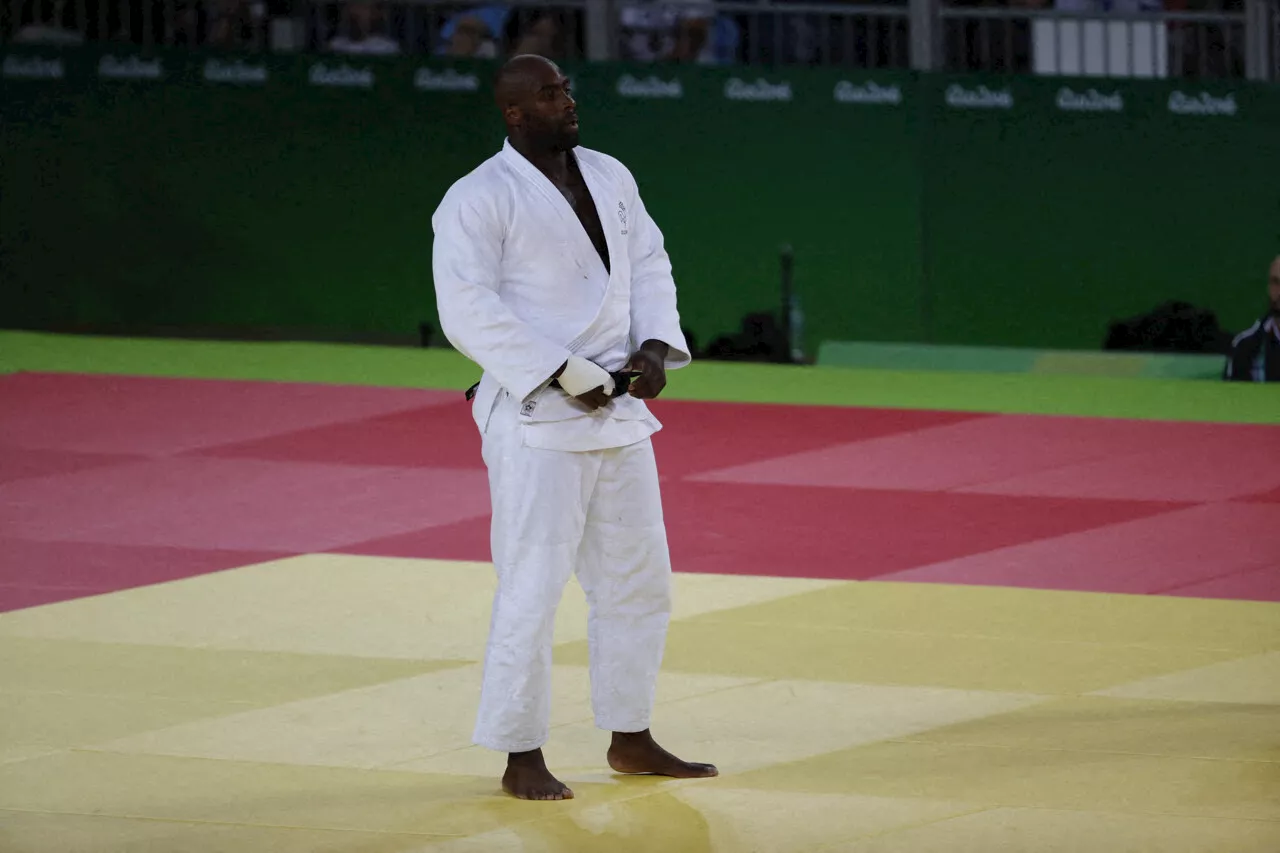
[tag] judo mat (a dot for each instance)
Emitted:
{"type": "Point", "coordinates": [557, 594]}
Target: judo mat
{"type": "Point", "coordinates": [244, 615]}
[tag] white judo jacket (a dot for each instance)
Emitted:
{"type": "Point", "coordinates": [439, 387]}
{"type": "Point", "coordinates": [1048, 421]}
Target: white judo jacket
{"type": "Point", "coordinates": [520, 287]}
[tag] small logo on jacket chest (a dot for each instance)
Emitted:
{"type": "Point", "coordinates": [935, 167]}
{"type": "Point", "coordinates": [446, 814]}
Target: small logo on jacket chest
{"type": "Point", "coordinates": [622, 215]}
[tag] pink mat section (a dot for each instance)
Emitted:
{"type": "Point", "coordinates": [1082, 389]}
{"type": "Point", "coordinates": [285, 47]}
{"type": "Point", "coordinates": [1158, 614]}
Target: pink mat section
{"type": "Point", "coordinates": [1167, 552]}
{"type": "Point", "coordinates": [989, 450]}
{"type": "Point", "coordinates": [110, 482]}
{"type": "Point", "coordinates": [1209, 472]}
{"type": "Point", "coordinates": [1259, 585]}
{"type": "Point", "coordinates": [239, 504]}
{"type": "Point", "coordinates": [462, 540]}
{"type": "Point", "coordinates": [121, 414]}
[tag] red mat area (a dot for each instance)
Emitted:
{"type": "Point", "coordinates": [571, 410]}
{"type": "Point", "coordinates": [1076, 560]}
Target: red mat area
{"type": "Point", "coordinates": [33, 573]}
{"type": "Point", "coordinates": [810, 532]}
{"type": "Point", "coordinates": [442, 436]}
{"type": "Point", "coordinates": [21, 463]}
{"type": "Point", "coordinates": [1269, 496]}
{"type": "Point", "coordinates": [698, 437]}
{"type": "Point", "coordinates": [695, 436]}
{"type": "Point", "coordinates": [856, 533]}
{"type": "Point", "coordinates": [109, 482]}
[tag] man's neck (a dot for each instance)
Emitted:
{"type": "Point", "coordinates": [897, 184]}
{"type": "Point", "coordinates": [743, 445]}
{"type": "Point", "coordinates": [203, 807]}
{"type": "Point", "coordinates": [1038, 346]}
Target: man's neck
{"type": "Point", "coordinates": [554, 164]}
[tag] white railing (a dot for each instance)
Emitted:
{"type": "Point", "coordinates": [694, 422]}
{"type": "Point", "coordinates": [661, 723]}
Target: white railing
{"type": "Point", "coordinates": [1136, 44]}
{"type": "Point", "coordinates": [1090, 39]}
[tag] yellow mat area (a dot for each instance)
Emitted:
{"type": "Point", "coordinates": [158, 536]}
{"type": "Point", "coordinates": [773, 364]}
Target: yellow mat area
{"type": "Point", "coordinates": [325, 703]}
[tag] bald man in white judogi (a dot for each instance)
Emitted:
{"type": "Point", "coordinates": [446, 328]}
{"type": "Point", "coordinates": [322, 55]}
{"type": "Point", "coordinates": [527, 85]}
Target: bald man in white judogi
{"type": "Point", "coordinates": [551, 276]}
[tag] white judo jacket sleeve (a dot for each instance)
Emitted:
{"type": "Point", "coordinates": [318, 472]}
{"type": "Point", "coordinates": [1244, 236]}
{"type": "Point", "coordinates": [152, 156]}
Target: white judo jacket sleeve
{"type": "Point", "coordinates": [466, 264]}
{"type": "Point", "coordinates": [654, 315]}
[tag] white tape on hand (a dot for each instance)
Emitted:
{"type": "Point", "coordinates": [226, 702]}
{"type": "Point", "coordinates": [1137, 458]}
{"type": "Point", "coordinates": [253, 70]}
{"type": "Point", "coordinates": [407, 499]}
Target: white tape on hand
{"type": "Point", "coordinates": [580, 376]}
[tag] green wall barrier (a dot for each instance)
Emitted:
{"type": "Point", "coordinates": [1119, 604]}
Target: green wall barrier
{"type": "Point", "coordinates": [186, 191]}
{"type": "Point", "coordinates": [1083, 202]}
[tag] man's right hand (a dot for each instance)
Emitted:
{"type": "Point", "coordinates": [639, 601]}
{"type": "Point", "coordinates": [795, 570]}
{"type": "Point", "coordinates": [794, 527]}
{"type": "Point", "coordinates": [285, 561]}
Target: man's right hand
{"type": "Point", "coordinates": [578, 378]}
{"type": "Point", "coordinates": [594, 399]}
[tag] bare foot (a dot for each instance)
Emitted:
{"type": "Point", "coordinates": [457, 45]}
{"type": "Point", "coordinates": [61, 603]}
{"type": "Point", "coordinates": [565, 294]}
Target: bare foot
{"type": "Point", "coordinates": [528, 778]}
{"type": "Point", "coordinates": [638, 753]}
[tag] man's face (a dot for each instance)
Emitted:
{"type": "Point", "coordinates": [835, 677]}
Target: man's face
{"type": "Point", "coordinates": [1273, 286]}
{"type": "Point", "coordinates": [546, 111]}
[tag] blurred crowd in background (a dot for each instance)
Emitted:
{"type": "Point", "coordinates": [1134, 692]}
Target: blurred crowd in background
{"type": "Point", "coordinates": [992, 35]}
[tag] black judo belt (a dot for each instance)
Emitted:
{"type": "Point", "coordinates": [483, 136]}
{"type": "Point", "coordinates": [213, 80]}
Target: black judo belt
{"type": "Point", "coordinates": [621, 383]}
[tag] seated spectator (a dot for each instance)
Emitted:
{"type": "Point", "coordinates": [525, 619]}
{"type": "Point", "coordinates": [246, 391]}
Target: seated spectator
{"type": "Point", "coordinates": [473, 32]}
{"type": "Point", "coordinates": [1255, 353]}
{"type": "Point", "coordinates": [658, 32]}
{"type": "Point", "coordinates": [363, 30]}
{"type": "Point", "coordinates": [538, 33]}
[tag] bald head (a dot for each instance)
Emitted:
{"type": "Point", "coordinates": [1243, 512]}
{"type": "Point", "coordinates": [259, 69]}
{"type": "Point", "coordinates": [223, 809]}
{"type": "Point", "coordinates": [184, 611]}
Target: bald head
{"type": "Point", "coordinates": [533, 95]}
{"type": "Point", "coordinates": [520, 77]}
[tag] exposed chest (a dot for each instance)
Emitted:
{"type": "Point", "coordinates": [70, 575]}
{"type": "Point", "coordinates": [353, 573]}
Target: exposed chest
{"type": "Point", "coordinates": [575, 191]}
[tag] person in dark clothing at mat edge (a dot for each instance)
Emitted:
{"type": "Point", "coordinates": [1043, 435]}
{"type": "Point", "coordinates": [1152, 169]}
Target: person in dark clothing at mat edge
{"type": "Point", "coordinates": [1255, 353]}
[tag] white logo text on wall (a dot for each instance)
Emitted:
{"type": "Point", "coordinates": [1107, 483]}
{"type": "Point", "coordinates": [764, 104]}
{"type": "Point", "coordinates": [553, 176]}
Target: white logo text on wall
{"type": "Point", "coordinates": [343, 76]}
{"type": "Point", "coordinates": [236, 71]}
{"type": "Point", "coordinates": [448, 80]}
{"type": "Point", "coordinates": [760, 90]}
{"type": "Point", "coordinates": [649, 87]}
{"type": "Point", "coordinates": [130, 68]}
{"type": "Point", "coordinates": [1089, 101]}
{"type": "Point", "coordinates": [32, 68]}
{"type": "Point", "coordinates": [1202, 104]}
{"type": "Point", "coordinates": [869, 92]}
{"type": "Point", "coordinates": [979, 98]}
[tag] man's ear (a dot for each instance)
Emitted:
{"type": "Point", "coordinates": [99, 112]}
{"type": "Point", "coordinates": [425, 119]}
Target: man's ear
{"type": "Point", "coordinates": [513, 115]}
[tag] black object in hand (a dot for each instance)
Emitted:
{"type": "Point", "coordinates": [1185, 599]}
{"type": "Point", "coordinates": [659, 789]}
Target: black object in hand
{"type": "Point", "coordinates": [622, 381]}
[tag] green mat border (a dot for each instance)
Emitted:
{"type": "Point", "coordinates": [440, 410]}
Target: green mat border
{"type": "Point", "coordinates": [1006, 393]}
{"type": "Point", "coordinates": [933, 357]}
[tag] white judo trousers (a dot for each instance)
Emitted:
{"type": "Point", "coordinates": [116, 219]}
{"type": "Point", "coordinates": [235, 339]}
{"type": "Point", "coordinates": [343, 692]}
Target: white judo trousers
{"type": "Point", "coordinates": [596, 513]}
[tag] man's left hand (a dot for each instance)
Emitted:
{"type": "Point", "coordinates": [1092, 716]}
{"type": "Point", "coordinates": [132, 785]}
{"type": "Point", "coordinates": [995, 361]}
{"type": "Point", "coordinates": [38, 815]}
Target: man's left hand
{"type": "Point", "coordinates": [650, 363]}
